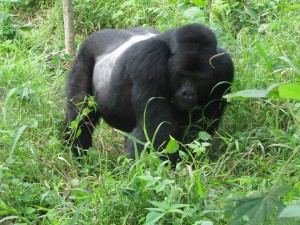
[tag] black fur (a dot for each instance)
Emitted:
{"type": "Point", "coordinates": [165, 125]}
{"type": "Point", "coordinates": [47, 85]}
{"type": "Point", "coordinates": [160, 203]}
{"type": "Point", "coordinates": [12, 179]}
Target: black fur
{"type": "Point", "coordinates": [182, 67]}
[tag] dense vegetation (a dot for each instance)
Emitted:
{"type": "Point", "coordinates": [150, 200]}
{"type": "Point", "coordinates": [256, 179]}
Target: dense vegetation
{"type": "Point", "coordinates": [248, 173]}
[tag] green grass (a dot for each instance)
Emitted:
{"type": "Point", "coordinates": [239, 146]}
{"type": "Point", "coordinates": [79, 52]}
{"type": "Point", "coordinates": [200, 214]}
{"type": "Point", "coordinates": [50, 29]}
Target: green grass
{"type": "Point", "coordinates": [255, 150]}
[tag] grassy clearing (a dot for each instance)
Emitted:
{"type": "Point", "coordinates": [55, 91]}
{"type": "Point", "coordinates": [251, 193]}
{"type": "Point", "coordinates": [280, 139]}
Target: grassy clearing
{"type": "Point", "coordinates": [254, 151]}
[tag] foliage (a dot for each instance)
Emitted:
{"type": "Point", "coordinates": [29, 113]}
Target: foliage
{"type": "Point", "coordinates": [11, 23]}
{"type": "Point", "coordinates": [283, 91]}
{"type": "Point", "coordinates": [257, 210]}
{"type": "Point", "coordinates": [252, 162]}
{"type": "Point", "coordinates": [118, 14]}
{"type": "Point", "coordinates": [291, 211]}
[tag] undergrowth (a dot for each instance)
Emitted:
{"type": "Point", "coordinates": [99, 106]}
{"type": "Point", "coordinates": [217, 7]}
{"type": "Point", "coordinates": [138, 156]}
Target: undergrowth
{"type": "Point", "coordinates": [248, 173]}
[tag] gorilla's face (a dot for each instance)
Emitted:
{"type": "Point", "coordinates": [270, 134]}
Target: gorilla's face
{"type": "Point", "coordinates": [192, 90]}
{"type": "Point", "coordinates": [191, 81]}
{"type": "Point", "coordinates": [186, 96]}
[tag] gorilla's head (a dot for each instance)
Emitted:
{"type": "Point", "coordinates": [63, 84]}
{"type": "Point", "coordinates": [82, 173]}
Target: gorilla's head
{"type": "Point", "coordinates": [191, 76]}
{"type": "Point", "coordinates": [190, 88]}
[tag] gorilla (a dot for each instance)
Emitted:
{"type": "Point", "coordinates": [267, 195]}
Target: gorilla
{"type": "Point", "coordinates": [165, 83]}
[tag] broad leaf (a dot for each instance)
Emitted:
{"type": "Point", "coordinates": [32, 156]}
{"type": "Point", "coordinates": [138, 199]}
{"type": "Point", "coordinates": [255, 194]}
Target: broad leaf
{"type": "Point", "coordinates": [204, 136]}
{"type": "Point", "coordinates": [162, 185]}
{"type": "Point", "coordinates": [253, 93]}
{"type": "Point", "coordinates": [6, 210]}
{"type": "Point", "coordinates": [161, 205]}
{"type": "Point", "coordinates": [282, 190]}
{"type": "Point", "coordinates": [153, 217]}
{"type": "Point", "coordinates": [172, 146]}
{"type": "Point", "coordinates": [201, 3]}
{"type": "Point", "coordinates": [274, 91]}
{"type": "Point", "coordinates": [289, 91]}
{"type": "Point", "coordinates": [131, 193]}
{"type": "Point", "coordinates": [4, 15]}
{"type": "Point", "coordinates": [192, 12]}
{"type": "Point", "coordinates": [26, 27]}
{"type": "Point", "coordinates": [258, 210]}
{"type": "Point", "coordinates": [291, 211]}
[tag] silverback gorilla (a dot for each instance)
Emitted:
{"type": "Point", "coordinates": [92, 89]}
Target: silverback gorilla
{"type": "Point", "coordinates": [180, 75]}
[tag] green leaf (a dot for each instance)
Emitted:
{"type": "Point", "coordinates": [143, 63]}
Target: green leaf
{"type": "Point", "coordinates": [262, 50]}
{"type": "Point", "coordinates": [14, 144]}
{"type": "Point", "coordinates": [288, 61]}
{"type": "Point", "coordinates": [29, 210]}
{"type": "Point", "coordinates": [76, 214]}
{"type": "Point", "coordinates": [131, 193]}
{"type": "Point", "coordinates": [282, 190]}
{"type": "Point", "coordinates": [245, 94]}
{"type": "Point", "coordinates": [174, 210]}
{"type": "Point", "coordinates": [161, 205]}
{"type": "Point", "coordinates": [10, 1]}
{"type": "Point", "coordinates": [162, 185]}
{"type": "Point", "coordinates": [26, 27]}
{"type": "Point", "coordinates": [78, 133]}
{"type": "Point", "coordinates": [273, 87]}
{"type": "Point", "coordinates": [4, 15]}
{"type": "Point", "coordinates": [255, 210]}
{"type": "Point", "coordinates": [10, 93]}
{"type": "Point", "coordinates": [146, 177]}
{"type": "Point", "coordinates": [277, 90]}
{"type": "Point", "coordinates": [192, 12]}
{"type": "Point", "coordinates": [150, 180]}
{"type": "Point", "coordinates": [75, 182]}
{"type": "Point", "coordinates": [85, 111]}
{"type": "Point", "coordinates": [5, 209]}
{"type": "Point", "coordinates": [172, 146]}
{"type": "Point", "coordinates": [200, 3]}
{"type": "Point", "coordinates": [204, 222]}
{"type": "Point", "coordinates": [204, 136]}
{"type": "Point", "coordinates": [291, 211]}
{"type": "Point", "coordinates": [179, 206]}
{"type": "Point", "coordinates": [8, 218]}
{"type": "Point", "coordinates": [289, 91]}
{"type": "Point", "coordinates": [153, 217]}
{"type": "Point", "coordinates": [157, 210]}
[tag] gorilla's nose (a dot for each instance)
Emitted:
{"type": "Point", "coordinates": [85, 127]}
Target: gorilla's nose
{"type": "Point", "coordinates": [188, 95]}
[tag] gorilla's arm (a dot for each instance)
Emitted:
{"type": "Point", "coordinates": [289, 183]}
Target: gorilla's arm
{"type": "Point", "coordinates": [214, 108]}
{"type": "Point", "coordinates": [147, 70]}
{"type": "Point", "coordinates": [79, 85]}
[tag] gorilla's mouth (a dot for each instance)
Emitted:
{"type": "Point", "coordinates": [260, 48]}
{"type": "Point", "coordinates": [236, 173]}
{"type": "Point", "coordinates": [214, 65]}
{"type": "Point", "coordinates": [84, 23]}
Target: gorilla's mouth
{"type": "Point", "coordinates": [184, 106]}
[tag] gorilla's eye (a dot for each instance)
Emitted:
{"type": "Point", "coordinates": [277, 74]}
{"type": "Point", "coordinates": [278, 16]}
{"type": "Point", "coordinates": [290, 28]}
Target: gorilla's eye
{"type": "Point", "coordinates": [185, 77]}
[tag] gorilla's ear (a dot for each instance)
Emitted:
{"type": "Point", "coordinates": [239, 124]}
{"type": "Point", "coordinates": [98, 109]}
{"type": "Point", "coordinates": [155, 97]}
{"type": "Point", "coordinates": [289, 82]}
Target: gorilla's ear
{"type": "Point", "coordinates": [147, 61]}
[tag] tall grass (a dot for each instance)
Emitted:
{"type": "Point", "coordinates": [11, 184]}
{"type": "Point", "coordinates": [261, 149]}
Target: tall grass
{"type": "Point", "coordinates": [255, 149]}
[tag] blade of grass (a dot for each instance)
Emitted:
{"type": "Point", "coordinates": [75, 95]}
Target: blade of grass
{"type": "Point", "coordinates": [13, 146]}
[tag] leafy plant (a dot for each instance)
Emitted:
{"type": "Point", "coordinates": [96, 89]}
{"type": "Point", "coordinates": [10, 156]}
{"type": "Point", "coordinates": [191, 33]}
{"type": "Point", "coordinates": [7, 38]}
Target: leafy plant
{"type": "Point", "coordinates": [162, 209]}
{"type": "Point", "coordinates": [284, 91]}
{"type": "Point", "coordinates": [85, 107]}
{"type": "Point", "coordinates": [290, 211]}
{"type": "Point", "coordinates": [257, 210]}
{"type": "Point", "coordinates": [255, 148]}
{"type": "Point", "coordinates": [9, 23]}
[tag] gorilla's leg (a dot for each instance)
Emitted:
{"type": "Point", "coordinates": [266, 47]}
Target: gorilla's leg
{"type": "Point", "coordinates": [79, 132]}
{"type": "Point", "coordinates": [79, 88]}
{"type": "Point", "coordinates": [161, 121]}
